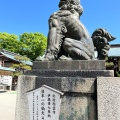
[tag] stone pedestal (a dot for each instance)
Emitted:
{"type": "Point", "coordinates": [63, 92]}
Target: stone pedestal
{"type": "Point", "coordinates": [76, 79]}
{"type": "Point", "coordinates": [108, 98]}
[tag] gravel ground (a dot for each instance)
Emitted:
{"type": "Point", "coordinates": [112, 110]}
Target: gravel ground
{"type": "Point", "coordinates": [7, 105]}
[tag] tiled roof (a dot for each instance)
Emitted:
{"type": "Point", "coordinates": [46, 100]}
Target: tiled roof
{"type": "Point", "coordinates": [12, 55]}
{"type": "Point", "coordinates": [7, 69]}
{"type": "Point", "coordinates": [114, 52]}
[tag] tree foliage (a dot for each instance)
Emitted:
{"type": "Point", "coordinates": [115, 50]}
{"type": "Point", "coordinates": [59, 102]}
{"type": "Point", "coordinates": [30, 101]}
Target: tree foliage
{"type": "Point", "coordinates": [112, 63]}
{"type": "Point", "coordinates": [20, 67]}
{"type": "Point", "coordinates": [30, 44]}
{"type": "Point", "coordinates": [33, 44]}
{"type": "Point", "coordinates": [9, 42]}
{"type": "Point", "coordinates": [118, 73]}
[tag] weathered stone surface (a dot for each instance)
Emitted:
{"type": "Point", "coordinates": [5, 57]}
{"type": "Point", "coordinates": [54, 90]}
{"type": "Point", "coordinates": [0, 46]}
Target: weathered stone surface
{"type": "Point", "coordinates": [71, 73]}
{"type": "Point", "coordinates": [25, 83]}
{"type": "Point", "coordinates": [68, 84]}
{"type": "Point", "coordinates": [108, 98]}
{"type": "Point", "coordinates": [78, 107]}
{"type": "Point", "coordinates": [70, 65]}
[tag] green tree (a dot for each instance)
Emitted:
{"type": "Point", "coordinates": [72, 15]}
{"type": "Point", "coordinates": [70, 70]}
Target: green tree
{"type": "Point", "coordinates": [118, 73]}
{"type": "Point", "coordinates": [9, 42]}
{"type": "Point", "coordinates": [20, 67]}
{"type": "Point", "coordinates": [113, 64]}
{"type": "Point", "coordinates": [32, 44]}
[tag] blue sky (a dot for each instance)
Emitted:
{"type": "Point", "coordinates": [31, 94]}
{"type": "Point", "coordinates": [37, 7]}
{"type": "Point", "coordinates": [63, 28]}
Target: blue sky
{"type": "Point", "coordinates": [19, 16]}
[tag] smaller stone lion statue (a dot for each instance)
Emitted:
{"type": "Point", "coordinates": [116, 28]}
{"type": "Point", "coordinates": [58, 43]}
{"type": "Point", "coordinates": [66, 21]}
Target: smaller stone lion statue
{"type": "Point", "coordinates": [101, 38]}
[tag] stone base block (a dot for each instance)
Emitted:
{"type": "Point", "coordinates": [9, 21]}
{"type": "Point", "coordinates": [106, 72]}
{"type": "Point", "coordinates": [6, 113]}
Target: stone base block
{"type": "Point", "coordinates": [71, 73]}
{"type": "Point", "coordinates": [76, 79]}
{"type": "Point", "coordinates": [77, 106]}
{"type": "Point", "coordinates": [77, 103]}
{"type": "Point", "coordinates": [68, 84]}
{"type": "Point", "coordinates": [108, 98]}
{"type": "Point", "coordinates": [25, 83]}
{"type": "Point", "coordinates": [70, 65]}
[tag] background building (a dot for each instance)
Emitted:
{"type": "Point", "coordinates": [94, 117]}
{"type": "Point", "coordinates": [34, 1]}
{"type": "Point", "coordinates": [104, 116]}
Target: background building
{"type": "Point", "coordinates": [7, 59]}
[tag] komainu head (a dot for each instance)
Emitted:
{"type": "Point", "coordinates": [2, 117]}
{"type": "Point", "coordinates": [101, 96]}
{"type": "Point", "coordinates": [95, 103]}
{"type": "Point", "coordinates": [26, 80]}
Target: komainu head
{"type": "Point", "coordinates": [101, 38]}
{"type": "Point", "coordinates": [71, 5]}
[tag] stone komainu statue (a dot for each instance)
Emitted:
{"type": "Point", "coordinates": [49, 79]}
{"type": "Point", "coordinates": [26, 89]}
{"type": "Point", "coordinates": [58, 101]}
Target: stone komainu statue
{"type": "Point", "coordinates": [68, 38]}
